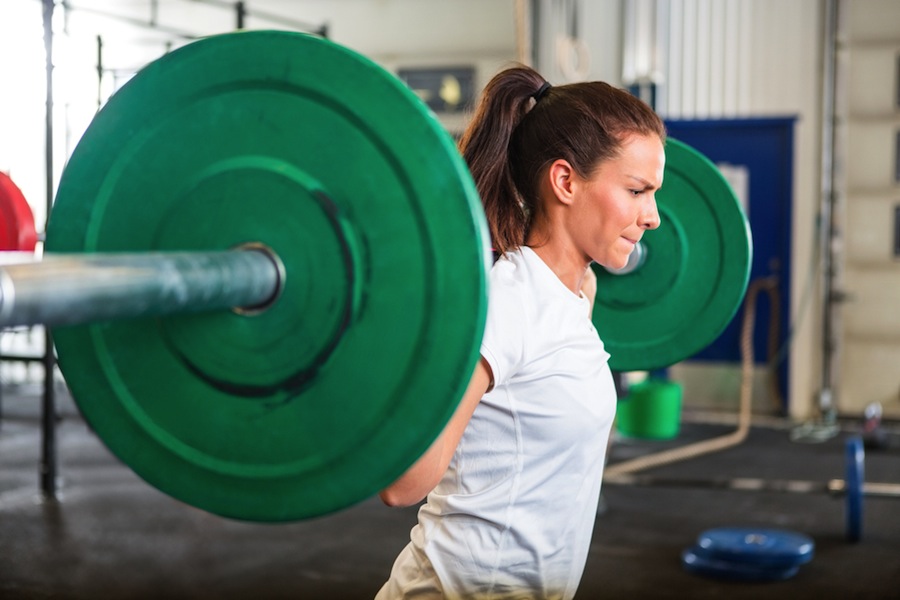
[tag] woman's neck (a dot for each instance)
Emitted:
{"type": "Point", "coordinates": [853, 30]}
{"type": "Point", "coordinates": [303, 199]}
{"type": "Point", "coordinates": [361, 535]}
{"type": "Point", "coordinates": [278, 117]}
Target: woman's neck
{"type": "Point", "coordinates": [567, 263]}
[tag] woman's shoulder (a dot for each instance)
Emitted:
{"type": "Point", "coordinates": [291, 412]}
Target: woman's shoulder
{"type": "Point", "coordinates": [511, 262]}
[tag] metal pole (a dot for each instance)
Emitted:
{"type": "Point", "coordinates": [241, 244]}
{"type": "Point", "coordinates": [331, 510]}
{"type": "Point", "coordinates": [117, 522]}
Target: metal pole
{"type": "Point", "coordinates": [75, 289]}
{"type": "Point", "coordinates": [99, 72]}
{"type": "Point", "coordinates": [826, 397]}
{"type": "Point", "coordinates": [48, 405]}
{"type": "Point", "coordinates": [834, 487]}
{"type": "Point", "coordinates": [240, 14]}
{"type": "Point", "coordinates": [825, 426]}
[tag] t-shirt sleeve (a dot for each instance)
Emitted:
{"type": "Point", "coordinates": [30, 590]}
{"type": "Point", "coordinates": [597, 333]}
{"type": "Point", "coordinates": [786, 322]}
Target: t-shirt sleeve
{"type": "Point", "coordinates": [503, 343]}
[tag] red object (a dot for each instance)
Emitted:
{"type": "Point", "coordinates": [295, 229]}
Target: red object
{"type": "Point", "coordinates": [17, 231]}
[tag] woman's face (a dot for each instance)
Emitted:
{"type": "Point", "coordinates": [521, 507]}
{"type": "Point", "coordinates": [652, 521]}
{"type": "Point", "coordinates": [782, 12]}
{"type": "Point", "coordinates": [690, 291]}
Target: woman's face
{"type": "Point", "coordinates": [613, 208]}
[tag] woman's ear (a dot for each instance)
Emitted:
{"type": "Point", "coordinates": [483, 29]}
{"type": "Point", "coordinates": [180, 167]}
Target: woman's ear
{"type": "Point", "coordinates": [561, 178]}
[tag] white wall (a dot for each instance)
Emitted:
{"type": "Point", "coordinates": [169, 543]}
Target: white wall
{"type": "Point", "coordinates": [595, 53]}
{"type": "Point", "coordinates": [868, 193]}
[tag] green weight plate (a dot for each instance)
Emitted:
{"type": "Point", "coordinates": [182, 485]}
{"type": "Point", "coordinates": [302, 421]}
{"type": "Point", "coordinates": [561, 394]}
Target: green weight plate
{"type": "Point", "coordinates": [300, 145]}
{"type": "Point", "coordinates": [693, 276]}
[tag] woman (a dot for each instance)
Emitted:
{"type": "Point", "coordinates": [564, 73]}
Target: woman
{"type": "Point", "coordinates": [567, 176]}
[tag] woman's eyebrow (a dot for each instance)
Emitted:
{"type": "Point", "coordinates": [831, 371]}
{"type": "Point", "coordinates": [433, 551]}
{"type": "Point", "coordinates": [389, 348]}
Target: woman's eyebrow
{"type": "Point", "coordinates": [646, 183]}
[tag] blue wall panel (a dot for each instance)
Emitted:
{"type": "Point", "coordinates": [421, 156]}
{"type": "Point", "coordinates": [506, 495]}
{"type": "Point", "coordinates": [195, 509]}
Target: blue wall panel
{"type": "Point", "coordinates": [765, 147]}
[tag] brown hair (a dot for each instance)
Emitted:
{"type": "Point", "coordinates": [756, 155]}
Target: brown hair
{"type": "Point", "coordinates": [512, 138]}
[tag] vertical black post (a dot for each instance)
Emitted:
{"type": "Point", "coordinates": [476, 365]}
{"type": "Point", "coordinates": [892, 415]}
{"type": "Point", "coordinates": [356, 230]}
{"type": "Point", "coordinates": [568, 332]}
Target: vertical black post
{"type": "Point", "coordinates": [48, 417]}
{"type": "Point", "coordinates": [241, 12]}
{"type": "Point", "coordinates": [898, 81]}
{"type": "Point", "coordinates": [897, 231]}
{"type": "Point", "coordinates": [99, 72]}
{"type": "Point", "coordinates": [827, 404]}
{"type": "Point", "coordinates": [897, 158]}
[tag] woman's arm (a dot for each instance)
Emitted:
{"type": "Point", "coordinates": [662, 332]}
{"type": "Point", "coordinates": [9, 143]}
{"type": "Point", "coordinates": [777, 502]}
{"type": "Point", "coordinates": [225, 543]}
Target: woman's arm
{"type": "Point", "coordinates": [425, 474]}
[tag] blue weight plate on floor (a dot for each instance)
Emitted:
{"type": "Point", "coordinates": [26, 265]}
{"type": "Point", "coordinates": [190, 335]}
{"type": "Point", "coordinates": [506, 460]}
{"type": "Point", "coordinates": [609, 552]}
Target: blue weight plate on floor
{"type": "Point", "coordinates": [853, 487]}
{"type": "Point", "coordinates": [695, 562]}
{"type": "Point", "coordinates": [774, 548]}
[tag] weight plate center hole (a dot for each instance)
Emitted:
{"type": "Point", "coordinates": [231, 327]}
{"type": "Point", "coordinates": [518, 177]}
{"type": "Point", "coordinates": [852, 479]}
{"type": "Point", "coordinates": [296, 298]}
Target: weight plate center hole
{"type": "Point", "coordinates": [261, 307]}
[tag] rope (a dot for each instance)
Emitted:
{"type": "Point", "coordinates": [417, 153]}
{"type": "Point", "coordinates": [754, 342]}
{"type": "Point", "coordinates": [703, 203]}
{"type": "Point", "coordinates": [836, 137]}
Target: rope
{"type": "Point", "coordinates": [744, 416]}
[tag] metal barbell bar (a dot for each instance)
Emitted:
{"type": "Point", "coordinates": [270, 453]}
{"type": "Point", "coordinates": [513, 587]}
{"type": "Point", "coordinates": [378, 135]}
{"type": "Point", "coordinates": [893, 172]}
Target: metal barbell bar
{"type": "Point", "coordinates": [77, 289]}
{"type": "Point", "coordinates": [834, 487]}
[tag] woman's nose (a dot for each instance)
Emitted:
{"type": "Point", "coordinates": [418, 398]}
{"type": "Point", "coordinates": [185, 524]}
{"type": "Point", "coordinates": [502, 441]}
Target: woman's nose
{"type": "Point", "coordinates": [649, 218]}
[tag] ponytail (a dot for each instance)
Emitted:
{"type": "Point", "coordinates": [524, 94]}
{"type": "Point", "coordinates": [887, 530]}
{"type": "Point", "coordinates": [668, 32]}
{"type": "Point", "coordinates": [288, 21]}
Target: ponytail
{"type": "Point", "coordinates": [485, 147]}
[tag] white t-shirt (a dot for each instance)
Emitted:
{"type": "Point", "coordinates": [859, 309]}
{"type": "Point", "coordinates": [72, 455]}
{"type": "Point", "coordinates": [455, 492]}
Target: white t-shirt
{"type": "Point", "coordinates": [513, 515]}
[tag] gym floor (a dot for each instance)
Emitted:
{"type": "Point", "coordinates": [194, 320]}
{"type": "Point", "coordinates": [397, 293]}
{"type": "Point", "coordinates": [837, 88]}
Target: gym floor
{"type": "Point", "coordinates": [112, 536]}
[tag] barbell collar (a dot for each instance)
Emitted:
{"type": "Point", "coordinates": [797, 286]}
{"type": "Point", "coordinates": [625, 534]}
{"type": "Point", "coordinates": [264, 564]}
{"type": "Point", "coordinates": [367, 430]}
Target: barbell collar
{"type": "Point", "coordinates": [636, 260]}
{"type": "Point", "coordinates": [75, 289]}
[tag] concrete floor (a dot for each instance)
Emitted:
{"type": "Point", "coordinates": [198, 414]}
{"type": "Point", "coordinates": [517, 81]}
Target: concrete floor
{"type": "Point", "coordinates": [109, 535]}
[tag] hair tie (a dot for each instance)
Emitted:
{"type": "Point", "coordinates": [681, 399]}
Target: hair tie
{"type": "Point", "coordinates": [541, 91]}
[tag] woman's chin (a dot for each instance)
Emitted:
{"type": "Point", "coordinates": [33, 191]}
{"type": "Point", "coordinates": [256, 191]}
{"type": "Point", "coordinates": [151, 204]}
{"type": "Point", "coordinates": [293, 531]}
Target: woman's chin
{"type": "Point", "coordinates": [615, 265]}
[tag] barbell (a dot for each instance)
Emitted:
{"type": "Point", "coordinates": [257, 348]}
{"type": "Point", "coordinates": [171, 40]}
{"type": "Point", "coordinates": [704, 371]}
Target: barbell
{"type": "Point", "coordinates": [266, 270]}
{"type": "Point", "coordinates": [853, 488]}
